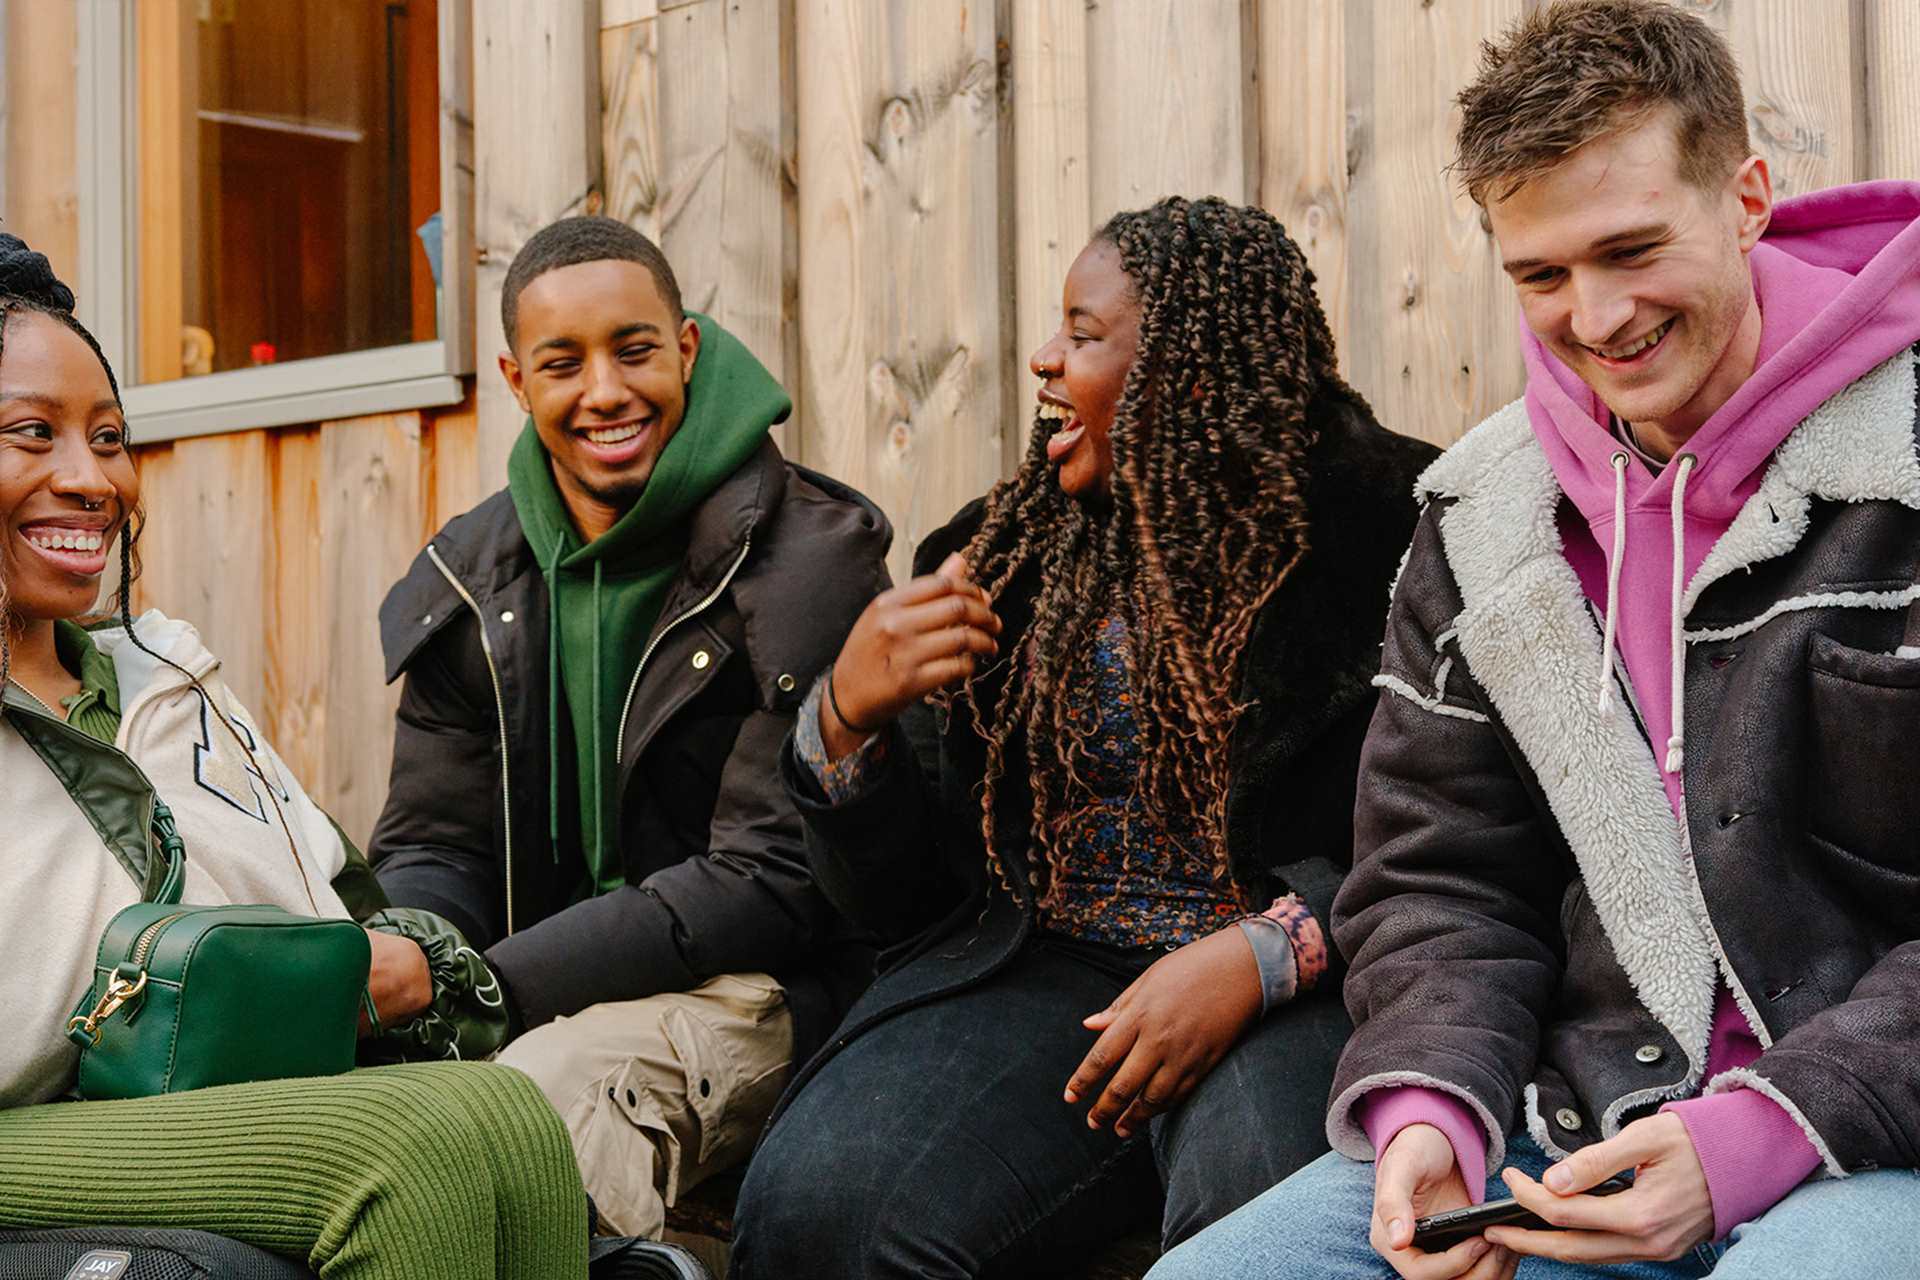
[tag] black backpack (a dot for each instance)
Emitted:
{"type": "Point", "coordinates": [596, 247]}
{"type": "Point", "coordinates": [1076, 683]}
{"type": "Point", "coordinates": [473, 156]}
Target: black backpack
{"type": "Point", "coordinates": [137, 1253]}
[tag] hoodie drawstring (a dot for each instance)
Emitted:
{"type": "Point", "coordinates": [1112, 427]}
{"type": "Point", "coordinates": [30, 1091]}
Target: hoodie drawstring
{"type": "Point", "coordinates": [1613, 578]}
{"type": "Point", "coordinates": [552, 575]}
{"type": "Point", "coordinates": [599, 619]}
{"type": "Point", "coordinates": [1676, 640]}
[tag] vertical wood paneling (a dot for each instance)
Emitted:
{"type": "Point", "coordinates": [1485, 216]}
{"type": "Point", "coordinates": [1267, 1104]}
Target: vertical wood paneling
{"type": "Point", "coordinates": [38, 200]}
{"type": "Point", "coordinates": [206, 550]}
{"type": "Point", "coordinates": [903, 342]}
{"type": "Point", "coordinates": [1051, 184]}
{"type": "Point", "coordinates": [1167, 94]}
{"type": "Point", "coordinates": [630, 122]}
{"type": "Point", "coordinates": [726, 212]}
{"type": "Point", "coordinates": [1303, 140]}
{"type": "Point", "coordinates": [536, 123]}
{"type": "Point", "coordinates": [1431, 338]}
{"type": "Point", "coordinates": [1799, 66]}
{"type": "Point", "coordinates": [1892, 53]}
{"type": "Point", "coordinates": [298, 632]}
{"type": "Point", "coordinates": [373, 509]}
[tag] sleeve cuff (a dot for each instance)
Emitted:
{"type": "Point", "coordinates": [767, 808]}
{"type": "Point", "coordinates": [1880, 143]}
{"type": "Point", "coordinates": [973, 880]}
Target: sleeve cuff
{"type": "Point", "coordinates": [1273, 953]}
{"type": "Point", "coordinates": [1751, 1150]}
{"type": "Point", "coordinates": [1385, 1112]}
{"type": "Point", "coordinates": [851, 775]}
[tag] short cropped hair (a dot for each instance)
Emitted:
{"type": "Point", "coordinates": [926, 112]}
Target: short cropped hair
{"type": "Point", "coordinates": [1577, 70]}
{"type": "Point", "coordinates": [572, 241]}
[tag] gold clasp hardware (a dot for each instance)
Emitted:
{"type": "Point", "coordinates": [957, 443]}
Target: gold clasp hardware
{"type": "Point", "coordinates": [118, 992]}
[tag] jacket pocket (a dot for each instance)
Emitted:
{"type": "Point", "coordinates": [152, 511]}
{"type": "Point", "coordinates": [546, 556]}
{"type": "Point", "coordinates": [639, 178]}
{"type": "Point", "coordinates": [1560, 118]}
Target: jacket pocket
{"type": "Point", "coordinates": [1863, 727]}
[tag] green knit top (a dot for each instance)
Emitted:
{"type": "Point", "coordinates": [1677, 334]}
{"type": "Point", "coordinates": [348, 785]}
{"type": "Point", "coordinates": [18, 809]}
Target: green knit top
{"type": "Point", "coordinates": [95, 710]}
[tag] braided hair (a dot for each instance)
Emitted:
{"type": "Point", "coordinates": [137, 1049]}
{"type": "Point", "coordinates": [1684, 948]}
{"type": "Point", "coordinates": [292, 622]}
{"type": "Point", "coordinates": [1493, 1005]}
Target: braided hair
{"type": "Point", "coordinates": [1207, 518]}
{"type": "Point", "coordinates": [28, 284]}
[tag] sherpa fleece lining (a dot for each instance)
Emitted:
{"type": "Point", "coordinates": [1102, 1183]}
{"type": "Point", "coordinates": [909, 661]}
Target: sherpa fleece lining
{"type": "Point", "coordinates": [1530, 640]}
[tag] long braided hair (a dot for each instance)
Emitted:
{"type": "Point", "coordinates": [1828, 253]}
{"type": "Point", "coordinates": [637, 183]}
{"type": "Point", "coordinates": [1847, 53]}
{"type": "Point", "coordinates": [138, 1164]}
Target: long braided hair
{"type": "Point", "coordinates": [1207, 518]}
{"type": "Point", "coordinates": [28, 284]}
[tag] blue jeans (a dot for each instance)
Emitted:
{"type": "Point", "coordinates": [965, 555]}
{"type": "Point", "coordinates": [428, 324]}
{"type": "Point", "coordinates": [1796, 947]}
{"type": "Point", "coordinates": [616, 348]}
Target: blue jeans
{"type": "Point", "coordinates": [1314, 1226]}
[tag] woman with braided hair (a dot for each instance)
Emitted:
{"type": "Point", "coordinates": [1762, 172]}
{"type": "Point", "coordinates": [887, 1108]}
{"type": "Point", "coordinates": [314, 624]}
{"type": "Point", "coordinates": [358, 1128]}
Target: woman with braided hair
{"type": "Point", "coordinates": [442, 1170]}
{"type": "Point", "coordinates": [1091, 774]}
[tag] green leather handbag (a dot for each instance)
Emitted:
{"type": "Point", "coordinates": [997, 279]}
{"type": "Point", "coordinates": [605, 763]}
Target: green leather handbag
{"type": "Point", "coordinates": [187, 997]}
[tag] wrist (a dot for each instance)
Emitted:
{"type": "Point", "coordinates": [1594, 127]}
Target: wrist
{"type": "Point", "coordinates": [839, 734]}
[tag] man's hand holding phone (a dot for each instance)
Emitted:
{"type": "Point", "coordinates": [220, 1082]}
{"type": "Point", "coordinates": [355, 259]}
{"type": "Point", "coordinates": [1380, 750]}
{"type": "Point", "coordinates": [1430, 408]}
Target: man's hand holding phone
{"type": "Point", "coordinates": [1416, 1177]}
{"type": "Point", "coordinates": [1666, 1211]}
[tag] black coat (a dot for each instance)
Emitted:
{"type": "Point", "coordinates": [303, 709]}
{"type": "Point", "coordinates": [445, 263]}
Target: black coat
{"type": "Point", "coordinates": [906, 860]}
{"type": "Point", "coordinates": [1529, 927]}
{"type": "Point", "coordinates": [779, 563]}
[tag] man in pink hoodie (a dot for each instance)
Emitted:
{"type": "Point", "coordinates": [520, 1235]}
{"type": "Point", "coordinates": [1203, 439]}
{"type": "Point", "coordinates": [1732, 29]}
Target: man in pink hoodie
{"type": "Point", "coordinates": [1637, 881]}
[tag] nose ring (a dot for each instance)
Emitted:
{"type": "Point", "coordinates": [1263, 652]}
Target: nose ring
{"type": "Point", "coordinates": [93, 506]}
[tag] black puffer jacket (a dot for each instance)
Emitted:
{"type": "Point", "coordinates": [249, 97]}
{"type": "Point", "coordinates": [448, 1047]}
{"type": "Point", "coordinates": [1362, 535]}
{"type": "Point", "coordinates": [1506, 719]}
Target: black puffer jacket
{"type": "Point", "coordinates": [906, 860]}
{"type": "Point", "coordinates": [779, 563]}
{"type": "Point", "coordinates": [1528, 926]}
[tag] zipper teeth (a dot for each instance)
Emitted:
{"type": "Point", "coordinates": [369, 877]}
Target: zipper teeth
{"type": "Point", "coordinates": [143, 945]}
{"type": "Point", "coordinates": [626, 708]}
{"type": "Point", "coordinates": [500, 712]}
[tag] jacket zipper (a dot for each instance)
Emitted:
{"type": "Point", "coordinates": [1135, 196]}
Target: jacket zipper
{"type": "Point", "coordinates": [626, 708]}
{"type": "Point", "coordinates": [500, 712]}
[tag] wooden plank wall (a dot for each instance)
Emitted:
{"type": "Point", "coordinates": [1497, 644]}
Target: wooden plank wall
{"type": "Point", "coordinates": [1335, 114]}
{"type": "Point", "coordinates": [279, 546]}
{"type": "Point", "coordinates": [881, 199]}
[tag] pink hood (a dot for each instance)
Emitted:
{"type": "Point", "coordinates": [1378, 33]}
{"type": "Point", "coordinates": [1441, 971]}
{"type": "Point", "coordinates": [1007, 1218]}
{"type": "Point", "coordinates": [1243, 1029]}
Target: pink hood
{"type": "Point", "coordinates": [1837, 276]}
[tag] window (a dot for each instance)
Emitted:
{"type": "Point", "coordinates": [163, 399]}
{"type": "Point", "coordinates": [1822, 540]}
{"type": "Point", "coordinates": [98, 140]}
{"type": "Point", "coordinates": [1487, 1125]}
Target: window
{"type": "Point", "coordinates": [274, 207]}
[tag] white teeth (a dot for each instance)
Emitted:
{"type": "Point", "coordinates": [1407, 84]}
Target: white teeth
{"type": "Point", "coordinates": [65, 541]}
{"type": "Point", "coordinates": [1635, 348]}
{"type": "Point", "coordinates": [1052, 412]}
{"type": "Point", "coordinates": [614, 435]}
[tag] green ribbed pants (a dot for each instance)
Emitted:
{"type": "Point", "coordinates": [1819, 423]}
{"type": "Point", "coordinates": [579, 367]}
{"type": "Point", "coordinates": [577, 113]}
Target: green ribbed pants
{"type": "Point", "coordinates": [440, 1171]}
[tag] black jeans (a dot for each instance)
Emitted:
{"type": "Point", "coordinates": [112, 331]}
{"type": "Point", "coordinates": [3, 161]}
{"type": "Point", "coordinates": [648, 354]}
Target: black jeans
{"type": "Point", "coordinates": [938, 1144]}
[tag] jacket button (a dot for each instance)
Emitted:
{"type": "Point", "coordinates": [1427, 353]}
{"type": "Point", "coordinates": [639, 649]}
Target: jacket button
{"type": "Point", "coordinates": [506, 615]}
{"type": "Point", "coordinates": [701, 659]}
{"type": "Point", "coordinates": [786, 683]}
{"type": "Point", "coordinates": [1649, 1054]}
{"type": "Point", "coordinates": [1567, 1118]}
{"type": "Point", "coordinates": [427, 621]}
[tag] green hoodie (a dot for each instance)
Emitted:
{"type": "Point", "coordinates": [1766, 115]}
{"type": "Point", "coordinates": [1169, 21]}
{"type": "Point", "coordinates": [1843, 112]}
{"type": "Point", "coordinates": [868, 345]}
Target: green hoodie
{"type": "Point", "coordinates": [605, 596]}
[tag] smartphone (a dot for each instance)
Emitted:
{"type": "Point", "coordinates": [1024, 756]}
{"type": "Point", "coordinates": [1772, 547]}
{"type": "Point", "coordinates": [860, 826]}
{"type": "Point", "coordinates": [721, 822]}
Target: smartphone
{"type": "Point", "coordinates": [1442, 1231]}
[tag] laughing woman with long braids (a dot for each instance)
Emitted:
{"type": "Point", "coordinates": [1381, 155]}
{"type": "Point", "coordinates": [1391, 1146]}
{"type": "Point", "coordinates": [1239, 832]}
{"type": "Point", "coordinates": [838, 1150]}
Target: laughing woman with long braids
{"type": "Point", "coordinates": [1092, 774]}
{"type": "Point", "coordinates": [435, 1171]}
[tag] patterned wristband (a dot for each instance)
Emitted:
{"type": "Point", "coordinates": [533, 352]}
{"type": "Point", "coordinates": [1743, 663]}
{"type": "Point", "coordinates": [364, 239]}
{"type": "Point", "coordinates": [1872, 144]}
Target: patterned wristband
{"type": "Point", "coordinates": [1309, 940]}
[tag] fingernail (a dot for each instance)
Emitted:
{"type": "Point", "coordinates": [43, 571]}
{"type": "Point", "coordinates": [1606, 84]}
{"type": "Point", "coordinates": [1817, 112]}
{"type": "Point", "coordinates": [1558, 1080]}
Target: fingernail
{"type": "Point", "coordinates": [1393, 1228]}
{"type": "Point", "coordinates": [1560, 1179]}
{"type": "Point", "coordinates": [1072, 1096]}
{"type": "Point", "coordinates": [1479, 1248]}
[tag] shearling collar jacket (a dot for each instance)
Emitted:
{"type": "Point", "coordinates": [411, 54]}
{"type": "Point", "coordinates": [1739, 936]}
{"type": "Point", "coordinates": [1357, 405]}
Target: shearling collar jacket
{"type": "Point", "coordinates": [780, 561]}
{"type": "Point", "coordinates": [906, 861]}
{"type": "Point", "coordinates": [1531, 929]}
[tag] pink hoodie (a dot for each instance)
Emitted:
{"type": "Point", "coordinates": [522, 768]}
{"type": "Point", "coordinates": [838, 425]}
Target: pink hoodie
{"type": "Point", "coordinates": [1837, 278]}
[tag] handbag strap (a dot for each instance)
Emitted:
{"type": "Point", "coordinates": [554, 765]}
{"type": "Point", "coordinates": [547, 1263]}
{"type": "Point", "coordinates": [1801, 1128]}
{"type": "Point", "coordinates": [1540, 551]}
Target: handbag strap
{"type": "Point", "coordinates": [174, 850]}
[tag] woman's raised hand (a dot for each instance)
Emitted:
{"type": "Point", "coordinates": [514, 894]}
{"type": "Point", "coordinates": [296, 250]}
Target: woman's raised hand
{"type": "Point", "coordinates": [921, 636]}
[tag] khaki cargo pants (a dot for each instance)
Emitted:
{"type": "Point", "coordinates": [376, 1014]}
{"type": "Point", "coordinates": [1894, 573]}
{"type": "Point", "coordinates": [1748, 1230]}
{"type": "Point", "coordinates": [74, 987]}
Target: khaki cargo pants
{"type": "Point", "coordinates": [659, 1094]}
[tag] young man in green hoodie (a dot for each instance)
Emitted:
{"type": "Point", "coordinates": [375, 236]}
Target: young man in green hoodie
{"type": "Point", "coordinates": [602, 662]}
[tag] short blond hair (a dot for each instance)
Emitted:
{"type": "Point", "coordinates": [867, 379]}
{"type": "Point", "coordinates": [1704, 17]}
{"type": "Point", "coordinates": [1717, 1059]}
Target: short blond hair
{"type": "Point", "coordinates": [1577, 70]}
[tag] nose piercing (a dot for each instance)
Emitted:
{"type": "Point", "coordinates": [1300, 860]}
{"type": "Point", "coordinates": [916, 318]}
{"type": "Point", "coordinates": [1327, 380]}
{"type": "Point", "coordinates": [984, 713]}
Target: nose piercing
{"type": "Point", "coordinates": [93, 506]}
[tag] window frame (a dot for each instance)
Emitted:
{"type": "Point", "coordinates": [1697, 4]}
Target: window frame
{"type": "Point", "coordinates": [413, 375]}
